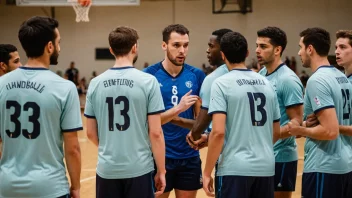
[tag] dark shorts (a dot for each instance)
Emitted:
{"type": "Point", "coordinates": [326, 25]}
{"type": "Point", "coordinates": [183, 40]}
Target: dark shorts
{"type": "Point", "coordinates": [325, 185]}
{"type": "Point", "coordinates": [285, 176]}
{"type": "Point", "coordinates": [142, 186]}
{"type": "Point", "coordinates": [65, 196]}
{"type": "Point", "coordinates": [244, 187]}
{"type": "Point", "coordinates": [183, 174]}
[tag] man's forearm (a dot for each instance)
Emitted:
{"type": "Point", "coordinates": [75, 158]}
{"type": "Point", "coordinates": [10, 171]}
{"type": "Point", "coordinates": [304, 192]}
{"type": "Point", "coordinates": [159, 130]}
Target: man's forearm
{"type": "Point", "coordinates": [201, 124]}
{"type": "Point", "coordinates": [284, 132]}
{"type": "Point", "coordinates": [319, 133]}
{"type": "Point", "coordinates": [346, 130]}
{"type": "Point", "coordinates": [184, 123]}
{"type": "Point", "coordinates": [215, 145]}
{"type": "Point", "coordinates": [168, 115]}
{"type": "Point", "coordinates": [73, 161]}
{"type": "Point", "coordinates": [94, 140]}
{"type": "Point", "coordinates": [158, 149]}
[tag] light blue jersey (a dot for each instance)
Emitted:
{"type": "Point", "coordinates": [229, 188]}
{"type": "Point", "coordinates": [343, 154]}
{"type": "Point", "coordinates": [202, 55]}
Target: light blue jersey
{"type": "Point", "coordinates": [120, 99]}
{"type": "Point", "coordinates": [328, 88]}
{"type": "Point", "coordinates": [250, 104]}
{"type": "Point", "coordinates": [36, 107]}
{"type": "Point", "coordinates": [289, 91]}
{"type": "Point", "coordinates": [350, 78]}
{"type": "Point", "coordinates": [206, 86]}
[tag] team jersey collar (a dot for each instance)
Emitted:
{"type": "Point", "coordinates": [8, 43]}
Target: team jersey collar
{"type": "Point", "coordinates": [240, 69]}
{"type": "Point", "coordinates": [179, 74]}
{"type": "Point", "coordinates": [324, 66]}
{"type": "Point", "coordinates": [33, 68]}
{"type": "Point", "coordinates": [119, 68]}
{"type": "Point", "coordinates": [282, 64]}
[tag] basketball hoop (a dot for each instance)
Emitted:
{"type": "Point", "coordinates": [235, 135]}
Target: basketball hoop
{"type": "Point", "coordinates": [81, 8]}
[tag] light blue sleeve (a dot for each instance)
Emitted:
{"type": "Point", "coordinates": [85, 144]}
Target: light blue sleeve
{"type": "Point", "coordinates": [291, 91]}
{"type": "Point", "coordinates": [218, 102]}
{"type": "Point", "coordinates": [319, 95]}
{"type": "Point", "coordinates": [307, 107]}
{"type": "Point", "coordinates": [276, 108]}
{"type": "Point", "coordinates": [156, 104]}
{"type": "Point", "coordinates": [71, 114]}
{"type": "Point", "coordinates": [89, 109]}
{"type": "Point", "coordinates": [200, 76]}
{"type": "Point", "coordinates": [205, 93]}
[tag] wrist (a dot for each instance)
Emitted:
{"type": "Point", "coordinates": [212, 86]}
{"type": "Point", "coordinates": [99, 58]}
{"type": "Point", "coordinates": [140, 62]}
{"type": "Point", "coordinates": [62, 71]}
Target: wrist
{"type": "Point", "coordinates": [206, 173]}
{"type": "Point", "coordinates": [162, 171]}
{"type": "Point", "coordinates": [207, 134]}
{"type": "Point", "coordinates": [75, 187]}
{"type": "Point", "coordinates": [178, 109]}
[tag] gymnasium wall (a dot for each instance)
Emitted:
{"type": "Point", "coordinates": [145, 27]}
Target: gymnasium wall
{"type": "Point", "coordinates": [79, 40]}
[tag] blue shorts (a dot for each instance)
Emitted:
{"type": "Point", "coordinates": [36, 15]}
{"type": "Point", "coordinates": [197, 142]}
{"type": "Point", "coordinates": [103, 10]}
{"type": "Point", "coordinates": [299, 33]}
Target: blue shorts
{"type": "Point", "coordinates": [325, 185]}
{"type": "Point", "coordinates": [183, 174]}
{"type": "Point", "coordinates": [285, 176]}
{"type": "Point", "coordinates": [244, 187]}
{"type": "Point", "coordinates": [142, 186]}
{"type": "Point", "coordinates": [65, 196]}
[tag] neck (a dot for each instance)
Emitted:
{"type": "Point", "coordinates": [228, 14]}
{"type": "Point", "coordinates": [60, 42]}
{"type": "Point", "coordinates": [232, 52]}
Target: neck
{"type": "Point", "coordinates": [231, 66]}
{"type": "Point", "coordinates": [272, 66]}
{"type": "Point", "coordinates": [317, 62]}
{"type": "Point", "coordinates": [348, 69]}
{"type": "Point", "coordinates": [40, 62]}
{"type": "Point", "coordinates": [219, 64]}
{"type": "Point", "coordinates": [172, 69]}
{"type": "Point", "coordinates": [123, 62]}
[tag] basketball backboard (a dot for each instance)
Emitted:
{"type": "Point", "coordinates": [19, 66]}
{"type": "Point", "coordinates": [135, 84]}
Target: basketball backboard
{"type": "Point", "coordinates": [53, 3]}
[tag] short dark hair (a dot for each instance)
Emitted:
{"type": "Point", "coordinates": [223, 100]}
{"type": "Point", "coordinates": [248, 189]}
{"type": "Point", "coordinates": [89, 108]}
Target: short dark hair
{"type": "Point", "coordinates": [318, 38]}
{"type": "Point", "coordinates": [234, 46]}
{"type": "Point", "coordinates": [178, 28]}
{"type": "Point", "coordinates": [345, 34]}
{"type": "Point", "coordinates": [122, 39]}
{"type": "Point", "coordinates": [35, 33]}
{"type": "Point", "coordinates": [276, 35]}
{"type": "Point", "coordinates": [5, 50]}
{"type": "Point", "coordinates": [220, 33]}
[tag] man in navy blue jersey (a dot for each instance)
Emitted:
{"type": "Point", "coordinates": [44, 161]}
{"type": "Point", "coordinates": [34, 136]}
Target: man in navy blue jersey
{"type": "Point", "coordinates": [177, 79]}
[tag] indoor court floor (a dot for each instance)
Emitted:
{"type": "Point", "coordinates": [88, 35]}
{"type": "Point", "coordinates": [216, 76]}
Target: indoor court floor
{"type": "Point", "coordinates": [89, 160]}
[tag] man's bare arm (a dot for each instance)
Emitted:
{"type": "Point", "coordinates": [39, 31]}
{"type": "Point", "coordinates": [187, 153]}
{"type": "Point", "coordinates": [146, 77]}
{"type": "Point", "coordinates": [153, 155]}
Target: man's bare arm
{"type": "Point", "coordinates": [294, 113]}
{"type": "Point", "coordinates": [92, 131]}
{"type": "Point", "coordinates": [73, 158]}
{"type": "Point", "coordinates": [327, 129]}
{"type": "Point", "coordinates": [186, 102]}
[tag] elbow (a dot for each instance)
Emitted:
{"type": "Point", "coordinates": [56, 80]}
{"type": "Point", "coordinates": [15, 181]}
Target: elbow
{"type": "Point", "coordinates": [155, 134]}
{"type": "Point", "coordinates": [90, 135]}
{"type": "Point", "coordinates": [218, 134]}
{"type": "Point", "coordinates": [333, 132]}
{"type": "Point", "coordinates": [74, 151]}
{"type": "Point", "coordinates": [332, 135]}
{"type": "Point", "coordinates": [276, 137]}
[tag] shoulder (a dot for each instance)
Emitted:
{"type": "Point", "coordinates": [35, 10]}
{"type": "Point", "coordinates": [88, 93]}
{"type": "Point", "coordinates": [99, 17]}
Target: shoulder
{"type": "Point", "coordinates": [152, 69]}
{"type": "Point", "coordinates": [224, 79]}
{"type": "Point", "coordinates": [143, 76]}
{"type": "Point", "coordinates": [285, 72]}
{"type": "Point", "coordinates": [195, 70]}
{"type": "Point", "coordinates": [263, 71]}
{"type": "Point", "coordinates": [317, 80]}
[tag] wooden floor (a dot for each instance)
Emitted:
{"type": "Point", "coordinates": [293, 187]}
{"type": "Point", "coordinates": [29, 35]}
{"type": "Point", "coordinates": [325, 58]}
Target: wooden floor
{"type": "Point", "coordinates": [89, 159]}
